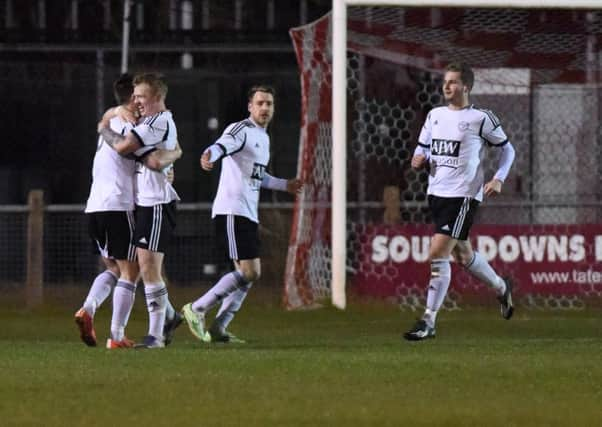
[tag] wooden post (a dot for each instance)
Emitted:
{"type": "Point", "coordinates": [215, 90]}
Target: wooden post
{"type": "Point", "coordinates": [35, 249]}
{"type": "Point", "coordinates": [392, 204]}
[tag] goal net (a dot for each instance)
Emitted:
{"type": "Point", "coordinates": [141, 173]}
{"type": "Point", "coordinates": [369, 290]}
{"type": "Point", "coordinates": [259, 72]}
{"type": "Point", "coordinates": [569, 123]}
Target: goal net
{"type": "Point", "coordinates": [538, 70]}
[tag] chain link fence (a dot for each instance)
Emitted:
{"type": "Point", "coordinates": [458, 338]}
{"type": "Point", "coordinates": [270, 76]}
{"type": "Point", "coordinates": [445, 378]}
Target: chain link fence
{"type": "Point", "coordinates": [69, 258]}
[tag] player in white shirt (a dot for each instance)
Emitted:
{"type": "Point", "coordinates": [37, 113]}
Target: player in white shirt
{"type": "Point", "coordinates": [110, 211]}
{"type": "Point", "coordinates": [452, 143]}
{"type": "Point", "coordinates": [155, 197]}
{"type": "Point", "coordinates": [244, 149]}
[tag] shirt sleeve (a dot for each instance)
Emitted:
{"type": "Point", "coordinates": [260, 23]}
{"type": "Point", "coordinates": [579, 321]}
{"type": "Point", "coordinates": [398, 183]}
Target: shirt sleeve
{"type": "Point", "coordinates": [491, 130]}
{"type": "Point", "coordinates": [424, 139]}
{"type": "Point", "coordinates": [151, 132]}
{"type": "Point", "coordinates": [273, 183]}
{"type": "Point", "coordinates": [506, 160]}
{"type": "Point", "coordinates": [232, 140]}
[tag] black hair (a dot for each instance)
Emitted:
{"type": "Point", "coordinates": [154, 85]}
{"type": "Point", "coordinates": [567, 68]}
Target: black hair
{"type": "Point", "coordinates": [123, 88]}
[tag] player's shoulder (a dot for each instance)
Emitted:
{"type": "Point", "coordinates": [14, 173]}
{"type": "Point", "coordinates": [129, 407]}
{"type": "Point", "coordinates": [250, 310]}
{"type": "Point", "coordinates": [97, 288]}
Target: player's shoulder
{"type": "Point", "coordinates": [486, 113]}
{"type": "Point", "coordinates": [117, 124]}
{"type": "Point", "coordinates": [155, 119]}
{"type": "Point", "coordinates": [440, 111]}
{"type": "Point", "coordinates": [239, 127]}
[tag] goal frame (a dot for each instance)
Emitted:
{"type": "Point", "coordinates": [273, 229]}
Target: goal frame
{"type": "Point", "coordinates": [339, 109]}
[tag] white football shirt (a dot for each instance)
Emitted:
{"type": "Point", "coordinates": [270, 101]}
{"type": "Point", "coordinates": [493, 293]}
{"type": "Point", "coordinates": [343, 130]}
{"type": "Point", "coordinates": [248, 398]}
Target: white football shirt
{"type": "Point", "coordinates": [456, 140]}
{"type": "Point", "coordinates": [245, 151]}
{"type": "Point", "coordinates": [112, 176]}
{"type": "Point", "coordinates": [157, 132]}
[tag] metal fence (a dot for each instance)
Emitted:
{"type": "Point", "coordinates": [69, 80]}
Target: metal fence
{"type": "Point", "coordinates": [69, 257]}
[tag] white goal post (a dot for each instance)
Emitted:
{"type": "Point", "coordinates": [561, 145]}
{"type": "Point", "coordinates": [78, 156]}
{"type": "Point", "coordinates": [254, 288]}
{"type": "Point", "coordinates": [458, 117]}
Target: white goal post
{"type": "Point", "coordinates": [339, 108]}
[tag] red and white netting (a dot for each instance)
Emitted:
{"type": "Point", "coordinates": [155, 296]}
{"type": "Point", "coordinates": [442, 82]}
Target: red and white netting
{"type": "Point", "coordinates": [538, 70]}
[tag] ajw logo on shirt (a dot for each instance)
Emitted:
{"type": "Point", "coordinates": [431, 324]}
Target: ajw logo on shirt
{"type": "Point", "coordinates": [257, 175]}
{"type": "Point", "coordinates": [445, 147]}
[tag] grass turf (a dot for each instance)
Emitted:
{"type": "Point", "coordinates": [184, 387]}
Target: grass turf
{"type": "Point", "coordinates": [312, 368]}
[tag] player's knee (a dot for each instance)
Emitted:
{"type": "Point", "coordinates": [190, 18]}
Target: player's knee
{"type": "Point", "coordinates": [250, 275]}
{"type": "Point", "coordinates": [462, 257]}
{"type": "Point", "coordinates": [114, 269]}
{"type": "Point", "coordinates": [111, 266]}
{"type": "Point", "coordinates": [150, 272]}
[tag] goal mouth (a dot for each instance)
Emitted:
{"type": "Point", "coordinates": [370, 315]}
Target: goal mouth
{"type": "Point", "coordinates": [538, 69]}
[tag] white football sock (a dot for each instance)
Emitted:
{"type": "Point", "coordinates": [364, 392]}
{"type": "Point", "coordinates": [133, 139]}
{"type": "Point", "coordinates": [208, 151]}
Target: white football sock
{"type": "Point", "coordinates": [156, 302]}
{"type": "Point", "coordinates": [123, 301]}
{"type": "Point", "coordinates": [480, 268]}
{"type": "Point", "coordinates": [230, 306]}
{"type": "Point", "coordinates": [437, 289]}
{"type": "Point", "coordinates": [228, 283]}
{"type": "Point", "coordinates": [170, 312]}
{"type": "Point", "coordinates": [99, 291]}
{"type": "Point", "coordinates": [430, 317]}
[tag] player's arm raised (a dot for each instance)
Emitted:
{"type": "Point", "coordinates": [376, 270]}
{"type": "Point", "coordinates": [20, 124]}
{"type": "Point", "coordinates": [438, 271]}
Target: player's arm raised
{"type": "Point", "coordinates": [228, 143]}
{"type": "Point", "coordinates": [123, 144]}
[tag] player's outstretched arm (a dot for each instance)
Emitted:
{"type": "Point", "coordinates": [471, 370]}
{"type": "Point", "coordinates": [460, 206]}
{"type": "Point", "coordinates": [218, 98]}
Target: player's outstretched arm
{"type": "Point", "coordinates": [160, 159]}
{"type": "Point", "coordinates": [293, 185]}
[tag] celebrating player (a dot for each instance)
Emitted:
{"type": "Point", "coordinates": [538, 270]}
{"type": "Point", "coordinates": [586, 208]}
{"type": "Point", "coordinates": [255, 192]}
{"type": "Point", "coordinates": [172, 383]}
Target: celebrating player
{"type": "Point", "coordinates": [155, 197]}
{"type": "Point", "coordinates": [110, 210]}
{"type": "Point", "coordinates": [244, 149]}
{"type": "Point", "coordinates": [451, 141]}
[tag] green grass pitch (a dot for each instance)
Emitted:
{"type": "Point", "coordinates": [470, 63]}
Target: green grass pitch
{"type": "Point", "coordinates": [311, 368]}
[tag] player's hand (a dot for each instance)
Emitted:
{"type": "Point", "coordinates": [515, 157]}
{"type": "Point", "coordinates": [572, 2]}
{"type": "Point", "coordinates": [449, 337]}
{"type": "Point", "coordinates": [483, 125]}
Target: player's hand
{"type": "Point", "coordinates": [126, 115]}
{"type": "Point", "coordinates": [294, 186]}
{"type": "Point", "coordinates": [170, 175]}
{"type": "Point", "coordinates": [178, 150]}
{"type": "Point", "coordinates": [493, 188]}
{"type": "Point", "coordinates": [418, 161]}
{"type": "Point", "coordinates": [101, 125]}
{"type": "Point", "coordinates": [205, 163]}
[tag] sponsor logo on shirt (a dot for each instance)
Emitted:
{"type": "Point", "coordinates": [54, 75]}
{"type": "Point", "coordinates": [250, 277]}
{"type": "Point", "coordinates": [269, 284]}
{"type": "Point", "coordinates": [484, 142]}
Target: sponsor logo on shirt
{"type": "Point", "coordinates": [257, 175]}
{"type": "Point", "coordinates": [258, 171]}
{"type": "Point", "coordinates": [445, 147]}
